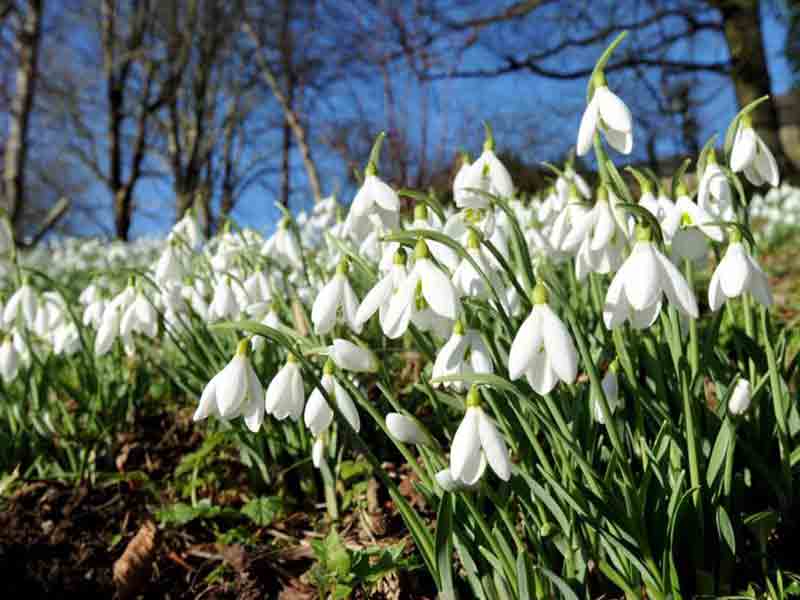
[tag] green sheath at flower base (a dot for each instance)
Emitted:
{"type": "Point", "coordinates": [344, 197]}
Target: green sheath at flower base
{"type": "Point", "coordinates": [400, 257]}
{"type": "Point", "coordinates": [643, 233]}
{"type": "Point", "coordinates": [614, 366]}
{"type": "Point", "coordinates": [473, 240]}
{"type": "Point", "coordinates": [473, 397]}
{"type": "Point", "coordinates": [343, 266]}
{"type": "Point", "coordinates": [458, 327]}
{"type": "Point", "coordinates": [681, 189]}
{"type": "Point", "coordinates": [328, 368]}
{"type": "Point", "coordinates": [243, 347]}
{"type": "Point", "coordinates": [539, 295]}
{"type": "Point", "coordinates": [375, 156]}
{"type": "Point", "coordinates": [291, 358]}
{"type": "Point", "coordinates": [602, 193]}
{"type": "Point", "coordinates": [420, 212]}
{"type": "Point", "coordinates": [735, 235]}
{"type": "Point", "coordinates": [488, 143]}
{"type": "Point", "coordinates": [421, 250]}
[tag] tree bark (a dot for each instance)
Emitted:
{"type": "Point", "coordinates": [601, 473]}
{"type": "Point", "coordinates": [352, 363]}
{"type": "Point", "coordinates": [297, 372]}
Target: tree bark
{"type": "Point", "coordinates": [291, 81]}
{"type": "Point", "coordinates": [26, 47]}
{"type": "Point", "coordinates": [750, 72]}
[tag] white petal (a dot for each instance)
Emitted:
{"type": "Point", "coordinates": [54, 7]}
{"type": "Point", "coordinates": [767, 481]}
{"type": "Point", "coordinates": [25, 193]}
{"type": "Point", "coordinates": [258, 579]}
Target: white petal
{"type": "Point", "coordinates": [766, 165]}
{"type": "Point", "coordinates": [405, 429]}
{"type": "Point", "coordinates": [465, 453]}
{"type": "Point", "coordinates": [675, 286]}
{"type": "Point", "coordinates": [613, 110]}
{"type": "Point", "coordinates": [494, 447]}
{"type": "Point", "coordinates": [744, 148]}
{"type": "Point", "coordinates": [351, 357]}
{"type": "Point", "coordinates": [383, 195]}
{"type": "Point", "coordinates": [541, 376]}
{"type": "Point", "coordinates": [375, 298]}
{"type": "Point", "coordinates": [323, 312]}
{"type": "Point", "coordinates": [559, 346]}
{"type": "Point", "coordinates": [734, 270]}
{"type": "Point", "coordinates": [642, 285]}
{"type": "Point", "coordinates": [587, 128]}
{"type": "Point", "coordinates": [525, 345]}
{"type": "Point", "coordinates": [232, 387]}
{"type": "Point", "coordinates": [208, 400]}
{"type": "Point", "coordinates": [317, 415]}
{"type": "Point", "coordinates": [621, 141]}
{"type": "Point", "coordinates": [715, 295]}
{"type": "Point", "coordinates": [437, 290]}
{"type": "Point", "coordinates": [346, 406]}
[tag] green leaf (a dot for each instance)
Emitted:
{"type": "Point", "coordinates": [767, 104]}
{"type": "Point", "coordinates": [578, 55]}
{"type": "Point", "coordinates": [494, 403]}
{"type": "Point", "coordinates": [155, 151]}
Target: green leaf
{"type": "Point", "coordinates": [522, 575]}
{"type": "Point", "coordinates": [444, 547]}
{"type": "Point", "coordinates": [263, 510]}
{"type": "Point", "coordinates": [678, 177]}
{"type": "Point", "coordinates": [602, 62]}
{"type": "Point", "coordinates": [726, 529]}
{"type": "Point", "coordinates": [719, 452]}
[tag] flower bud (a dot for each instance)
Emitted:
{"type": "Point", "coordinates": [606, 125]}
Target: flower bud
{"type": "Point", "coordinates": [405, 429]}
{"type": "Point", "coordinates": [350, 357]}
{"type": "Point", "coordinates": [739, 401]}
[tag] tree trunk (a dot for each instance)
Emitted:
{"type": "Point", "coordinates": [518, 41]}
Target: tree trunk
{"type": "Point", "coordinates": [286, 58]}
{"type": "Point", "coordinates": [750, 73]}
{"type": "Point", "coordinates": [26, 47]}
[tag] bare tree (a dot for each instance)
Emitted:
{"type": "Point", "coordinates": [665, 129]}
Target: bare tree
{"type": "Point", "coordinates": [16, 146]}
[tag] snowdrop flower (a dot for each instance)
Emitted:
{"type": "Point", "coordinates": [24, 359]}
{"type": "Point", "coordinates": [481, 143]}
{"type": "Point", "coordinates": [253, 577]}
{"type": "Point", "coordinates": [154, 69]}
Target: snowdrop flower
{"type": "Point", "coordinates": [564, 182]}
{"type": "Point", "coordinates": [610, 386]}
{"type": "Point", "coordinates": [609, 114]}
{"type": "Point", "coordinates": [318, 414]}
{"type": "Point", "coordinates": [285, 396]}
{"type": "Point", "coordinates": [373, 195]}
{"type": "Point", "coordinates": [599, 238]}
{"type": "Point", "coordinates": [109, 328]}
{"type": "Point", "coordinates": [170, 265]}
{"type": "Point", "coordinates": [467, 280]}
{"type": "Point", "coordinates": [233, 392]}
{"type": "Point", "coordinates": [223, 304]}
{"type": "Point", "coordinates": [22, 303]}
{"type": "Point", "coordinates": [425, 294]}
{"type": "Point", "coordinates": [476, 443]}
{"type": "Point", "coordinates": [405, 429]}
{"type": "Point", "coordinates": [9, 360]}
{"type": "Point", "coordinates": [335, 296]}
{"type": "Point", "coordinates": [635, 292]}
{"type": "Point", "coordinates": [688, 226]}
{"type": "Point", "coordinates": [465, 352]}
{"type": "Point", "coordinates": [93, 314]}
{"type": "Point", "coordinates": [189, 229]}
{"type": "Point", "coordinates": [350, 357]}
{"type": "Point", "coordinates": [488, 175]}
{"type": "Point", "coordinates": [543, 349]}
{"type": "Point", "coordinates": [573, 213]}
{"type": "Point", "coordinates": [737, 273]}
{"type": "Point", "coordinates": [714, 192]}
{"type": "Point", "coordinates": [460, 185]}
{"type": "Point", "coordinates": [740, 398]}
{"type": "Point", "coordinates": [283, 246]}
{"type": "Point", "coordinates": [139, 317]}
{"type": "Point", "coordinates": [752, 156]}
{"type": "Point", "coordinates": [380, 296]}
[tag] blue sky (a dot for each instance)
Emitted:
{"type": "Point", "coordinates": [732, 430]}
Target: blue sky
{"type": "Point", "coordinates": [518, 104]}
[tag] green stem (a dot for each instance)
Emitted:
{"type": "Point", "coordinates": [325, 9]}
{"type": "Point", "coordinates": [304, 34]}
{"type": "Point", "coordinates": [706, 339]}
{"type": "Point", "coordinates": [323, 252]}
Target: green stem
{"type": "Point", "coordinates": [694, 352]}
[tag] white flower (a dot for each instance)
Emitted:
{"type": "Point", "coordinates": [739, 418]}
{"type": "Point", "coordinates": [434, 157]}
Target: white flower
{"type": "Point", "coordinates": [425, 220]}
{"type": "Point", "coordinates": [465, 352]}
{"type": "Point", "coordinates": [223, 304]}
{"type": "Point", "coordinates": [405, 429]}
{"type": "Point", "coordinates": [318, 414]}
{"type": "Point", "coordinates": [170, 265]}
{"type": "Point", "coordinates": [9, 360]}
{"type": "Point", "coordinates": [737, 273]}
{"type": "Point", "coordinates": [714, 192]}
{"type": "Point", "coordinates": [350, 357]}
{"type": "Point", "coordinates": [189, 229]}
{"type": "Point", "coordinates": [486, 174]}
{"type": "Point", "coordinates": [688, 226]}
{"type": "Point", "coordinates": [337, 294]}
{"type": "Point", "coordinates": [139, 317]}
{"type": "Point", "coordinates": [635, 292]}
{"type": "Point", "coordinates": [285, 396]}
{"type": "Point", "coordinates": [373, 194]}
{"type": "Point", "coordinates": [233, 392]}
{"type": "Point", "coordinates": [751, 155]}
{"type": "Point", "coordinates": [467, 280]}
{"type": "Point", "coordinates": [610, 114]}
{"type": "Point", "coordinates": [109, 328]}
{"type": "Point", "coordinates": [740, 398]}
{"type": "Point", "coordinates": [543, 349]}
{"type": "Point", "coordinates": [93, 315]}
{"type": "Point", "coordinates": [476, 443]}
{"type": "Point", "coordinates": [22, 303]}
{"type": "Point", "coordinates": [283, 247]}
{"type": "Point", "coordinates": [599, 237]}
{"type": "Point", "coordinates": [610, 387]}
{"type": "Point", "coordinates": [426, 287]}
{"type": "Point", "coordinates": [380, 296]}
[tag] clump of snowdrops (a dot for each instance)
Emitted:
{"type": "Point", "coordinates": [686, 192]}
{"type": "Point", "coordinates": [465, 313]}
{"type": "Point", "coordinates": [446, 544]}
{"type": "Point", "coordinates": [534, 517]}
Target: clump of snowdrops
{"type": "Point", "coordinates": [600, 407]}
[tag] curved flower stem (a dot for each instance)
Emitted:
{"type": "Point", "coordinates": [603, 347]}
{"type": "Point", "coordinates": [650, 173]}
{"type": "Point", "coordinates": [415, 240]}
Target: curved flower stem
{"type": "Point", "coordinates": [693, 353]}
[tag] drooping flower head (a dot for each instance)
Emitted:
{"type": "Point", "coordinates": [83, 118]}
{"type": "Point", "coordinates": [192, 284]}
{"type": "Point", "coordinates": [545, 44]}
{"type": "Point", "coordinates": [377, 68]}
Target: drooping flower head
{"type": "Point", "coordinates": [608, 113]}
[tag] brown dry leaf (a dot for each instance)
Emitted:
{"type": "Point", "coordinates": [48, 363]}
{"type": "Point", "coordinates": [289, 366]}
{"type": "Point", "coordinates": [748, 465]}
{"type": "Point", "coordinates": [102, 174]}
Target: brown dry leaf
{"type": "Point", "coordinates": [132, 570]}
{"type": "Point", "coordinates": [300, 323]}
